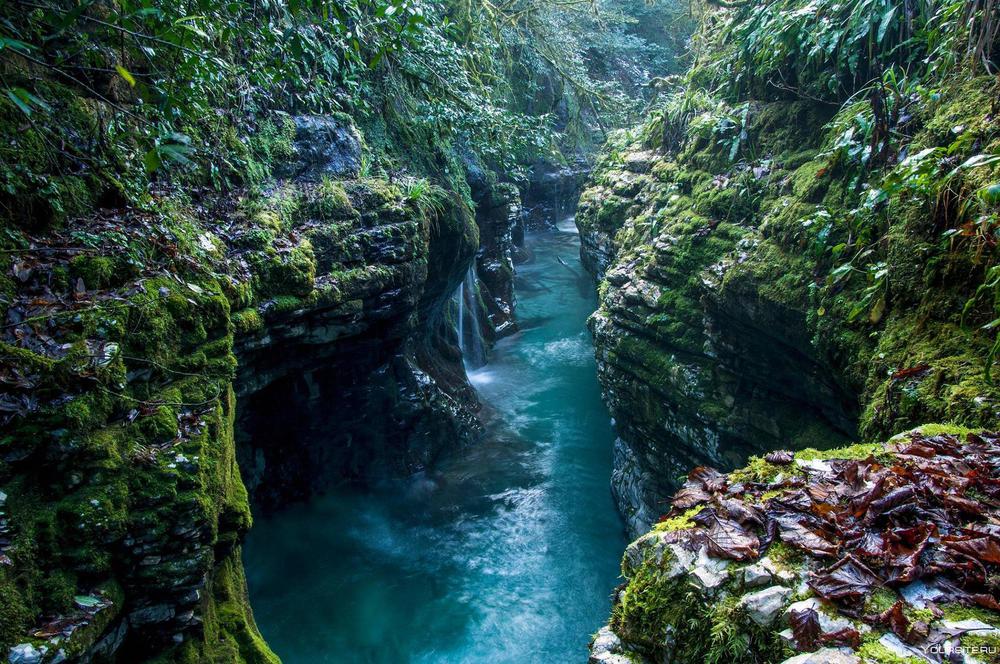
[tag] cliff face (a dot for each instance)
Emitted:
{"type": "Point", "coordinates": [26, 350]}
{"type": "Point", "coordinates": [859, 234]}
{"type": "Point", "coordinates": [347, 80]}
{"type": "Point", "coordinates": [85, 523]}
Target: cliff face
{"type": "Point", "coordinates": [275, 342]}
{"type": "Point", "coordinates": [704, 359]}
{"type": "Point", "coordinates": [723, 330]}
{"type": "Point", "coordinates": [777, 274]}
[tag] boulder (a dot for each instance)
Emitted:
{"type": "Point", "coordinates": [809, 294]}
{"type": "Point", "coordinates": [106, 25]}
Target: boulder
{"type": "Point", "coordinates": [25, 653]}
{"type": "Point", "coordinates": [325, 145]}
{"type": "Point", "coordinates": [764, 605]}
{"type": "Point", "coordinates": [606, 648]}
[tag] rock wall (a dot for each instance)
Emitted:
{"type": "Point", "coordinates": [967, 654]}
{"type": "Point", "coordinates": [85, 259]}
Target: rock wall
{"type": "Point", "coordinates": [727, 325]}
{"type": "Point", "coordinates": [699, 363]}
{"type": "Point", "coordinates": [159, 365]}
{"type": "Point", "coordinates": [366, 384]}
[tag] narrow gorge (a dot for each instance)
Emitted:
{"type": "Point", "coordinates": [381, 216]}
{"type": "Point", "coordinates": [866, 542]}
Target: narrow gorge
{"type": "Point", "coordinates": [451, 330]}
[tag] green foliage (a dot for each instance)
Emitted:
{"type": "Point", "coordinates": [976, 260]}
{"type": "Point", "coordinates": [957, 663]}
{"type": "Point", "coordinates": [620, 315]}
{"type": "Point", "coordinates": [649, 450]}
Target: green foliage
{"type": "Point", "coordinates": [429, 199]}
{"type": "Point", "coordinates": [828, 49]}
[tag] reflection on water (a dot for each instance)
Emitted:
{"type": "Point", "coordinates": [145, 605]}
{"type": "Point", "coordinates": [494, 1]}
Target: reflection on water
{"type": "Point", "coordinates": [507, 553]}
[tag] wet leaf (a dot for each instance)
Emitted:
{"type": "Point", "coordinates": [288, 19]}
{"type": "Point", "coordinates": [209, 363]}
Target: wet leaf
{"type": "Point", "coordinates": [848, 636]}
{"type": "Point", "coordinates": [779, 457]}
{"type": "Point", "coordinates": [729, 539]}
{"type": "Point", "coordinates": [984, 549]}
{"type": "Point", "coordinates": [805, 628]}
{"type": "Point", "coordinates": [848, 580]}
{"type": "Point", "coordinates": [794, 531]}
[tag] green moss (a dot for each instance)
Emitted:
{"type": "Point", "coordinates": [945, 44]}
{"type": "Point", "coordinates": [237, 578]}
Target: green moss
{"type": "Point", "coordinates": [960, 612]}
{"type": "Point", "coordinates": [758, 470]}
{"type": "Point", "coordinates": [880, 601]}
{"type": "Point", "coordinates": [931, 430]}
{"type": "Point", "coordinates": [330, 201]}
{"type": "Point", "coordinates": [858, 451]}
{"type": "Point", "coordinates": [873, 652]}
{"type": "Point", "coordinates": [96, 271]}
{"type": "Point", "coordinates": [247, 321]}
{"type": "Point", "coordinates": [289, 273]}
{"type": "Point", "coordinates": [57, 590]}
{"type": "Point", "coordinates": [785, 556]}
{"type": "Point", "coordinates": [15, 615]}
{"type": "Point", "coordinates": [666, 619]}
{"type": "Point", "coordinates": [680, 522]}
{"type": "Point", "coordinates": [984, 647]}
{"type": "Point", "coordinates": [257, 238]}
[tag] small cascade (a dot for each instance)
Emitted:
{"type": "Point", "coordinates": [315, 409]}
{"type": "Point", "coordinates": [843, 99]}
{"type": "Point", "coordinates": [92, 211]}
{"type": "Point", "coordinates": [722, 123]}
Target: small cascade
{"type": "Point", "coordinates": [470, 332]}
{"type": "Point", "coordinates": [461, 317]}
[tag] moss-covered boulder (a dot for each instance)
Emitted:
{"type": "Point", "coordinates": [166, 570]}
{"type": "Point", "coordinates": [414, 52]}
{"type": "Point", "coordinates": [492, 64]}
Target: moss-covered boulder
{"type": "Point", "coordinates": [870, 553]}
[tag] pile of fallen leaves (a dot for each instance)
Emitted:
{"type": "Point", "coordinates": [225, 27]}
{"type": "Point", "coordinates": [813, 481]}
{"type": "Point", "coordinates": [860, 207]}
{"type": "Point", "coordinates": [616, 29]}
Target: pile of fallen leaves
{"type": "Point", "coordinates": [925, 514]}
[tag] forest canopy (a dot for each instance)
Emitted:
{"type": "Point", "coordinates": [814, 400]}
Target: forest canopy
{"type": "Point", "coordinates": [119, 93]}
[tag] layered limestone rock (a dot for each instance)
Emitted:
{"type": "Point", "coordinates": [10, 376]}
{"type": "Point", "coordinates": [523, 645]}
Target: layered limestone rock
{"type": "Point", "coordinates": [131, 345]}
{"type": "Point", "coordinates": [700, 362]}
{"type": "Point", "coordinates": [498, 214]}
{"type": "Point", "coordinates": [729, 324]}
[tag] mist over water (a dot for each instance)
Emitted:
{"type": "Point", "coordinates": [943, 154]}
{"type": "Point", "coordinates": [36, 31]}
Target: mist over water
{"type": "Point", "coordinates": [507, 553]}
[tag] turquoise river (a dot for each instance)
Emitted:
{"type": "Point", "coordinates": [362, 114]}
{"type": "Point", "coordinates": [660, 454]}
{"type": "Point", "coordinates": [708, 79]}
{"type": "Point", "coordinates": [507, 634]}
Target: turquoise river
{"type": "Point", "coordinates": [508, 552]}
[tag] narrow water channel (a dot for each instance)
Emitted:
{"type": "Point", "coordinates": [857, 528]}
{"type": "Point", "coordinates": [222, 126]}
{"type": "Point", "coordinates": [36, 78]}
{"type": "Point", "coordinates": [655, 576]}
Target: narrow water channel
{"type": "Point", "coordinates": [506, 554]}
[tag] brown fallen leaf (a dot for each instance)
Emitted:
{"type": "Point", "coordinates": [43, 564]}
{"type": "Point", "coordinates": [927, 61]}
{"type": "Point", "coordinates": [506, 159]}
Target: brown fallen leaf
{"type": "Point", "coordinates": [805, 628]}
{"type": "Point", "coordinates": [847, 580]}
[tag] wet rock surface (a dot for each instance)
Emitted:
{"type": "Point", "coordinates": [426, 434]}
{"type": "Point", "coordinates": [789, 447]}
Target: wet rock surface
{"type": "Point", "coordinates": [325, 145]}
{"type": "Point", "coordinates": [860, 554]}
{"type": "Point", "coordinates": [322, 303]}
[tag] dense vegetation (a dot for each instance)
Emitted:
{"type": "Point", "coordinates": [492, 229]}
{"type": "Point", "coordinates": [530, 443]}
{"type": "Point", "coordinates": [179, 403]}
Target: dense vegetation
{"type": "Point", "coordinates": [153, 220]}
{"type": "Point", "coordinates": [100, 99]}
{"type": "Point", "coordinates": [810, 215]}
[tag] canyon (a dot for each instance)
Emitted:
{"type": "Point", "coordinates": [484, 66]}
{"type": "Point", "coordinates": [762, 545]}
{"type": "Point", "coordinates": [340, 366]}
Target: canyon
{"type": "Point", "coordinates": [452, 339]}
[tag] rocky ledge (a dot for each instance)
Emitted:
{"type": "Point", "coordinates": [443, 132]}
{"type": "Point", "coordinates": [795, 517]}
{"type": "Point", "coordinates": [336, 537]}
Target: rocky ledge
{"type": "Point", "coordinates": [130, 336]}
{"type": "Point", "coordinates": [871, 553]}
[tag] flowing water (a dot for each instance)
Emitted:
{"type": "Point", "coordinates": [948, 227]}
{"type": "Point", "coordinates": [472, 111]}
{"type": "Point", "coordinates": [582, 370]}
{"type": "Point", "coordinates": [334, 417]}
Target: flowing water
{"type": "Point", "coordinates": [507, 553]}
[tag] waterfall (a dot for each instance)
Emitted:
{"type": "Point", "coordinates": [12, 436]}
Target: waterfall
{"type": "Point", "coordinates": [470, 336]}
{"type": "Point", "coordinates": [461, 317]}
{"type": "Point", "coordinates": [476, 356]}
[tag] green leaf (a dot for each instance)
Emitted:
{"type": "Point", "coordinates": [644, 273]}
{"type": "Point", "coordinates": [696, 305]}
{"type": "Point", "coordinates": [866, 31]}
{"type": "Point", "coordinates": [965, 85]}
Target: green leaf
{"type": "Point", "coordinates": [126, 74]}
{"type": "Point", "coordinates": [25, 101]}
{"type": "Point", "coordinates": [151, 160]}
{"type": "Point", "coordinates": [25, 108]}
{"type": "Point", "coordinates": [15, 45]}
{"type": "Point", "coordinates": [886, 20]}
{"type": "Point", "coordinates": [980, 160]}
{"type": "Point", "coordinates": [990, 194]}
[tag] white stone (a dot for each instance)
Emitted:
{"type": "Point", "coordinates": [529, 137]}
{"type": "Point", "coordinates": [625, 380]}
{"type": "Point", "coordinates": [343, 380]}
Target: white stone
{"type": "Point", "coordinates": [654, 547]}
{"type": "Point", "coordinates": [764, 605]}
{"type": "Point", "coordinates": [605, 641]}
{"type": "Point", "coordinates": [825, 656]}
{"type": "Point", "coordinates": [606, 648]}
{"type": "Point", "coordinates": [709, 573]}
{"type": "Point", "coordinates": [783, 575]}
{"type": "Point", "coordinates": [609, 658]}
{"type": "Point", "coordinates": [25, 653]}
{"type": "Point", "coordinates": [892, 643]}
{"type": "Point", "coordinates": [817, 465]}
{"type": "Point", "coordinates": [970, 625]}
{"type": "Point", "coordinates": [917, 593]}
{"type": "Point", "coordinates": [756, 575]}
{"type": "Point", "coordinates": [827, 623]}
{"type": "Point", "coordinates": [708, 579]}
